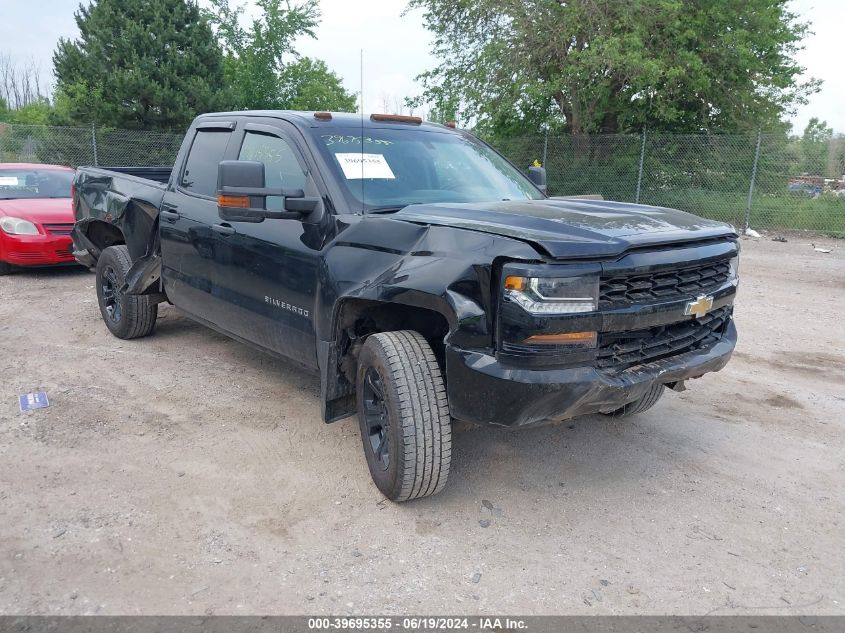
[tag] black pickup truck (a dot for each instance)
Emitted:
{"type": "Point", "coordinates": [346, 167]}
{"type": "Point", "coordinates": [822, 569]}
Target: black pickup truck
{"type": "Point", "coordinates": [418, 272]}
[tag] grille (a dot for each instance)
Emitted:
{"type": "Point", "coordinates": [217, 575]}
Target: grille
{"type": "Point", "coordinates": [663, 286]}
{"type": "Point", "coordinates": [28, 256]}
{"type": "Point", "coordinates": [59, 229]}
{"type": "Point", "coordinates": [620, 350]}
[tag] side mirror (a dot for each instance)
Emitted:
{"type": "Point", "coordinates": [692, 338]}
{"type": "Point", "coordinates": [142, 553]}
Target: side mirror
{"type": "Point", "coordinates": [537, 175]}
{"type": "Point", "coordinates": [242, 194]}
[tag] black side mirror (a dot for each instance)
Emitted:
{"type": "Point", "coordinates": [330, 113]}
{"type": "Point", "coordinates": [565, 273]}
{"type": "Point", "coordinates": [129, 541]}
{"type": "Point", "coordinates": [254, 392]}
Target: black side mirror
{"type": "Point", "coordinates": [242, 194]}
{"type": "Point", "coordinates": [537, 175]}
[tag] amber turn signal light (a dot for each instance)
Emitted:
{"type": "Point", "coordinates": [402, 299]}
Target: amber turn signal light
{"type": "Point", "coordinates": [515, 283]}
{"type": "Point", "coordinates": [237, 202]}
{"type": "Point", "coordinates": [564, 338]}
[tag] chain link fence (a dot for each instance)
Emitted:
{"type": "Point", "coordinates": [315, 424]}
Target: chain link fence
{"type": "Point", "coordinates": [765, 181]}
{"type": "Point", "coordinates": [88, 146]}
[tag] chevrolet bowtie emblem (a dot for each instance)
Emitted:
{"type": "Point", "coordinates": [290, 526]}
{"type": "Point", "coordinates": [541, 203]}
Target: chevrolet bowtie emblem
{"type": "Point", "coordinates": [701, 306]}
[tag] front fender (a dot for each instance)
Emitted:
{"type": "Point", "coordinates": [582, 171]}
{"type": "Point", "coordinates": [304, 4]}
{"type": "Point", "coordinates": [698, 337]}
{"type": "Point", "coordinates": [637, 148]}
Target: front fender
{"type": "Point", "coordinates": [444, 269]}
{"type": "Point", "coordinates": [446, 272]}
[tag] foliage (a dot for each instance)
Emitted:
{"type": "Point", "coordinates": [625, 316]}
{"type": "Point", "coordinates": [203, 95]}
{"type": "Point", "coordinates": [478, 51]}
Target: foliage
{"type": "Point", "coordinates": [262, 67]}
{"type": "Point", "coordinates": [586, 66]}
{"type": "Point", "coordinates": [814, 146]}
{"type": "Point", "coordinates": [138, 64]}
{"type": "Point", "coordinates": [308, 84]}
{"type": "Point", "coordinates": [34, 113]}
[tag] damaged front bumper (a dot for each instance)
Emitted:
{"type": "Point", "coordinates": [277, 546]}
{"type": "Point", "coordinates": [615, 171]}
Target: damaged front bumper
{"type": "Point", "coordinates": [484, 391]}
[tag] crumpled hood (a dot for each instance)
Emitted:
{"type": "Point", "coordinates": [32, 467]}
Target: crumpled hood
{"type": "Point", "coordinates": [39, 210]}
{"type": "Point", "coordinates": [571, 227]}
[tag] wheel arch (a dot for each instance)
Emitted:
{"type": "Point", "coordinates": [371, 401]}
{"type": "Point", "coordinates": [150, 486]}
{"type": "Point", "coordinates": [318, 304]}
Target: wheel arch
{"type": "Point", "coordinates": [99, 235]}
{"type": "Point", "coordinates": [354, 319]}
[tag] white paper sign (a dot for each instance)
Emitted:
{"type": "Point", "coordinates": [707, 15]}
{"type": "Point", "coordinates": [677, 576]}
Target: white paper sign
{"type": "Point", "coordinates": [357, 166]}
{"type": "Point", "coordinates": [9, 181]}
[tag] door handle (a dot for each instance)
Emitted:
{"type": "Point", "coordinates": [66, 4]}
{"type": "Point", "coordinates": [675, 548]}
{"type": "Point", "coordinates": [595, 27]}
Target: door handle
{"type": "Point", "coordinates": [170, 216]}
{"type": "Point", "coordinates": [223, 229]}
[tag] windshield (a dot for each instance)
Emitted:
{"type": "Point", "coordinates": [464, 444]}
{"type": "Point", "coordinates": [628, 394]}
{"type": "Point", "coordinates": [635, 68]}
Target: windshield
{"type": "Point", "coordinates": [35, 183]}
{"type": "Point", "coordinates": [398, 167]}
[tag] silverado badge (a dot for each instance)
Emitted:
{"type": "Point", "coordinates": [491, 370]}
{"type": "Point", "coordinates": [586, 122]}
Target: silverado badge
{"type": "Point", "coordinates": [700, 306]}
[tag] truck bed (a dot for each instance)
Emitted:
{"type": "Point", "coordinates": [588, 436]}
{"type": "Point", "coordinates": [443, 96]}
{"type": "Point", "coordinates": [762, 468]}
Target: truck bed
{"type": "Point", "coordinates": [157, 174]}
{"type": "Point", "coordinates": [127, 198]}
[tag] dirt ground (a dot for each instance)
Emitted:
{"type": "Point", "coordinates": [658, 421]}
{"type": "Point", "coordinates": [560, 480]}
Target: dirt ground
{"type": "Point", "coordinates": [188, 474]}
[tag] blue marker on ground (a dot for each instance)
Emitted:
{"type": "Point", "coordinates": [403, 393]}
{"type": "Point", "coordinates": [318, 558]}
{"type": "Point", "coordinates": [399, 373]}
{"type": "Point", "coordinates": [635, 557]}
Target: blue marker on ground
{"type": "Point", "coordinates": [37, 400]}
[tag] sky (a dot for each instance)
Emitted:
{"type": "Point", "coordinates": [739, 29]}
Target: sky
{"type": "Point", "coordinates": [396, 47]}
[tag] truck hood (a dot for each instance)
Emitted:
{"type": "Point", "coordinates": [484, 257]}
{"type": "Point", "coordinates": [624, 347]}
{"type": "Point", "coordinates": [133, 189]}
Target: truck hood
{"type": "Point", "coordinates": [39, 210]}
{"type": "Point", "coordinates": [571, 228]}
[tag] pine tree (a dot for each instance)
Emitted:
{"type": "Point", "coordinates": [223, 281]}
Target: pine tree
{"type": "Point", "coordinates": [149, 64]}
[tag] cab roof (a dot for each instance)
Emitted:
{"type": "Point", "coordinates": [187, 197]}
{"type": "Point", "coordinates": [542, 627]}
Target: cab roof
{"type": "Point", "coordinates": [337, 120]}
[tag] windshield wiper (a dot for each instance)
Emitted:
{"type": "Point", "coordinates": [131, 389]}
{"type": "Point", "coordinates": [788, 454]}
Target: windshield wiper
{"type": "Point", "coordinates": [392, 208]}
{"type": "Point", "coordinates": [389, 209]}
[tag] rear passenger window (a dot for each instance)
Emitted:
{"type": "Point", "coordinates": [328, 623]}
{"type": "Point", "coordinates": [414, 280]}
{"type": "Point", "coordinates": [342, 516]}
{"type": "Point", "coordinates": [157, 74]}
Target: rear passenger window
{"type": "Point", "coordinates": [200, 175]}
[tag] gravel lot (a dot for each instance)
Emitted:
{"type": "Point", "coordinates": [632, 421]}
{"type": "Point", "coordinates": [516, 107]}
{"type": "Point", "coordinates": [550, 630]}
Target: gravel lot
{"type": "Point", "coordinates": [186, 473]}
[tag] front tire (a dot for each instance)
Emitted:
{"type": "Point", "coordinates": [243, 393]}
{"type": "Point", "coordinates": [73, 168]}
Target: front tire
{"type": "Point", "coordinates": [641, 404]}
{"type": "Point", "coordinates": [5, 268]}
{"type": "Point", "coordinates": [126, 316]}
{"type": "Point", "coordinates": [404, 415]}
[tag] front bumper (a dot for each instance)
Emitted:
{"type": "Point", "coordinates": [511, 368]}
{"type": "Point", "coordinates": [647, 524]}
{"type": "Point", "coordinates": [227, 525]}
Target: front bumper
{"type": "Point", "coordinates": [483, 391]}
{"type": "Point", "coordinates": [36, 250]}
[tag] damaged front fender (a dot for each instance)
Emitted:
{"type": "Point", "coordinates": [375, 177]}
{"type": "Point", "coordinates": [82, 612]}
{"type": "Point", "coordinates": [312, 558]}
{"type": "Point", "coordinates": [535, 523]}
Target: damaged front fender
{"type": "Point", "coordinates": [434, 279]}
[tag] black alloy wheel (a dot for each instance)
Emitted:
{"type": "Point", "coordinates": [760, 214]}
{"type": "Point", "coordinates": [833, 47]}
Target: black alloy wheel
{"type": "Point", "coordinates": [111, 295]}
{"type": "Point", "coordinates": [376, 418]}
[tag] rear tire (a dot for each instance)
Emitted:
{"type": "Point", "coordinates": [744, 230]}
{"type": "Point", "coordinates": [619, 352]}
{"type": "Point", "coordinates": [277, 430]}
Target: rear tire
{"type": "Point", "coordinates": [643, 403]}
{"type": "Point", "coordinates": [126, 316]}
{"type": "Point", "coordinates": [5, 268]}
{"type": "Point", "coordinates": [404, 415]}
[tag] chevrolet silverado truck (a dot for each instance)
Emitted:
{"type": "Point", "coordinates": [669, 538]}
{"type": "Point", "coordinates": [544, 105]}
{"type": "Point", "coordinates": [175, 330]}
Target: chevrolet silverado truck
{"type": "Point", "coordinates": [421, 275]}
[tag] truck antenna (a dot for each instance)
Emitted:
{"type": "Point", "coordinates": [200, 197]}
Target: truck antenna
{"type": "Point", "coordinates": [361, 76]}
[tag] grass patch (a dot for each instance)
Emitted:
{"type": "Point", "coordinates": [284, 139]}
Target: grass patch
{"type": "Point", "coordinates": [825, 213]}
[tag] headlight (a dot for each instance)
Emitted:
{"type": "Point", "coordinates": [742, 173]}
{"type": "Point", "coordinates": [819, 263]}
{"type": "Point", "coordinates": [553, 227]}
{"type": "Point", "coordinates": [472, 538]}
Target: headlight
{"type": "Point", "coordinates": [17, 226]}
{"type": "Point", "coordinates": [553, 295]}
{"type": "Point", "coordinates": [734, 268]}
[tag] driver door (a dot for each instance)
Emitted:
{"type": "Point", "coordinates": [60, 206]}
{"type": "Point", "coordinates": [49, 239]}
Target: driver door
{"type": "Point", "coordinates": [268, 270]}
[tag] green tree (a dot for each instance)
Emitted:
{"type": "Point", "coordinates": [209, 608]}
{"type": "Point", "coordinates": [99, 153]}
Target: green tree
{"type": "Point", "coordinates": [264, 70]}
{"type": "Point", "coordinates": [34, 113]}
{"type": "Point", "coordinates": [836, 155]}
{"type": "Point", "coordinates": [138, 64]}
{"type": "Point", "coordinates": [815, 145]}
{"type": "Point", "coordinates": [308, 84]}
{"type": "Point", "coordinates": [608, 66]}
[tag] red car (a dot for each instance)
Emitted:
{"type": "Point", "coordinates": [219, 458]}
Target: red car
{"type": "Point", "coordinates": [35, 215]}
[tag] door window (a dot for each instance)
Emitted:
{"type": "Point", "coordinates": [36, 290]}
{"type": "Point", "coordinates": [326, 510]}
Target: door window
{"type": "Point", "coordinates": [281, 166]}
{"type": "Point", "coordinates": [200, 175]}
